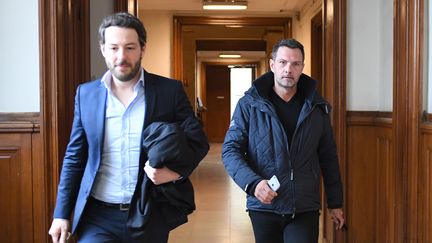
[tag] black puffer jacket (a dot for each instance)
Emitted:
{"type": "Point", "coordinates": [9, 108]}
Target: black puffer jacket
{"type": "Point", "coordinates": [256, 148]}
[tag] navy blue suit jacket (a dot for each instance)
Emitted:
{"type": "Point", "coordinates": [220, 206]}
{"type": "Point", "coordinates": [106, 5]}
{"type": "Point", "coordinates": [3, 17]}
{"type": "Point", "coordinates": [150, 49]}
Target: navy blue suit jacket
{"type": "Point", "coordinates": [165, 101]}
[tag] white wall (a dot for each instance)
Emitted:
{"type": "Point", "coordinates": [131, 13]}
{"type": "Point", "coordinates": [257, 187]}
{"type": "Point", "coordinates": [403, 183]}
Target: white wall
{"type": "Point", "coordinates": [158, 55]}
{"type": "Point", "coordinates": [99, 9]}
{"type": "Point", "coordinates": [386, 56]}
{"type": "Point", "coordinates": [429, 60]}
{"type": "Point", "coordinates": [19, 47]}
{"type": "Point", "coordinates": [369, 55]}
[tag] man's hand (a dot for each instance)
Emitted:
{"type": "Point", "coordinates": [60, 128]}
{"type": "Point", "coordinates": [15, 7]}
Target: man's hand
{"type": "Point", "coordinates": [337, 217]}
{"type": "Point", "coordinates": [160, 176]}
{"type": "Point", "coordinates": [59, 230]}
{"type": "Point", "coordinates": [264, 193]}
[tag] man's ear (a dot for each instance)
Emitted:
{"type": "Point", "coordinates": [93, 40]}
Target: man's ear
{"type": "Point", "coordinates": [143, 49]}
{"type": "Point", "coordinates": [271, 64]}
{"type": "Point", "coordinates": [102, 49]}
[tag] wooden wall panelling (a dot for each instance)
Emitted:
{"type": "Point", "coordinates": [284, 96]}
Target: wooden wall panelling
{"type": "Point", "coordinates": [408, 77]}
{"type": "Point", "coordinates": [334, 51]}
{"type": "Point", "coordinates": [52, 65]}
{"type": "Point", "coordinates": [65, 63]}
{"type": "Point", "coordinates": [425, 186]}
{"type": "Point", "coordinates": [16, 188]}
{"type": "Point", "coordinates": [361, 184]}
{"type": "Point", "coordinates": [370, 177]}
{"type": "Point", "coordinates": [385, 193]}
{"type": "Point", "coordinates": [38, 189]}
{"type": "Point", "coordinates": [22, 178]}
{"type": "Point", "coordinates": [421, 134]}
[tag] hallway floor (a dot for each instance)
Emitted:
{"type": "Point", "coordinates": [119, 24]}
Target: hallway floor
{"type": "Point", "coordinates": [220, 215]}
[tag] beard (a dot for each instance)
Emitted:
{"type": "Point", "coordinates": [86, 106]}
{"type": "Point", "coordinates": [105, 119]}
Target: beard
{"type": "Point", "coordinates": [125, 76]}
{"type": "Point", "coordinates": [289, 84]}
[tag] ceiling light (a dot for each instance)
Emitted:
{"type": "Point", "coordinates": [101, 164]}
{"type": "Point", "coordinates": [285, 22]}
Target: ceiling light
{"type": "Point", "coordinates": [225, 5]}
{"type": "Point", "coordinates": [229, 55]}
{"type": "Point", "coordinates": [234, 26]}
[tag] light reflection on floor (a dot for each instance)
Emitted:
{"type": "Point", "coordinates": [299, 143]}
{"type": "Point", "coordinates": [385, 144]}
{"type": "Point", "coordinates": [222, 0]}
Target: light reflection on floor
{"type": "Point", "coordinates": [220, 216]}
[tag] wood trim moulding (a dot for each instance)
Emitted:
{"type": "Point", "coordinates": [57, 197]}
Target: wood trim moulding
{"type": "Point", "coordinates": [229, 45]}
{"type": "Point", "coordinates": [130, 6]}
{"type": "Point", "coordinates": [426, 128]}
{"type": "Point", "coordinates": [250, 21]}
{"type": "Point", "coordinates": [427, 117]}
{"type": "Point", "coordinates": [334, 76]}
{"type": "Point", "coordinates": [26, 122]}
{"type": "Point", "coordinates": [369, 118]}
{"type": "Point", "coordinates": [407, 99]}
{"type": "Point", "coordinates": [180, 21]}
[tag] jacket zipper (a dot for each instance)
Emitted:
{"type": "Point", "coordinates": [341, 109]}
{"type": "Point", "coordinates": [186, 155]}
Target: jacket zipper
{"type": "Point", "coordinates": [290, 162]}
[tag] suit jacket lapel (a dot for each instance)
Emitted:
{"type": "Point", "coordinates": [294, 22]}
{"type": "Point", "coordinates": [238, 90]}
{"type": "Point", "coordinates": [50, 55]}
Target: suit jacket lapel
{"type": "Point", "coordinates": [150, 98]}
{"type": "Point", "coordinates": [100, 96]}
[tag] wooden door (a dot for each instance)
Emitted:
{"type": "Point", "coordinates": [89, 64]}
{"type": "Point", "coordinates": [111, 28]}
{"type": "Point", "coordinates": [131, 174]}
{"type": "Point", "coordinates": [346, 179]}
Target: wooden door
{"type": "Point", "coordinates": [218, 102]}
{"type": "Point", "coordinates": [317, 51]}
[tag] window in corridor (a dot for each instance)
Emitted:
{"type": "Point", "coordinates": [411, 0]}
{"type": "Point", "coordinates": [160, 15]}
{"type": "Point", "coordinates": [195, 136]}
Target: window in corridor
{"type": "Point", "coordinates": [241, 80]}
{"type": "Point", "coordinates": [370, 55]}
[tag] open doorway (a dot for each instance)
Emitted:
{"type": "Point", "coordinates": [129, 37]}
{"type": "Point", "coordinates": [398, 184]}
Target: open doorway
{"type": "Point", "coordinates": [223, 84]}
{"type": "Point", "coordinates": [193, 33]}
{"type": "Point", "coordinates": [241, 78]}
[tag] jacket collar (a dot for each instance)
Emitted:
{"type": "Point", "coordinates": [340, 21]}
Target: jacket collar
{"type": "Point", "coordinates": [306, 86]}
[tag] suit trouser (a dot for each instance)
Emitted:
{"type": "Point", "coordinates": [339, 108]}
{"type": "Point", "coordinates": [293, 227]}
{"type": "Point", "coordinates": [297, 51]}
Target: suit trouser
{"type": "Point", "coordinates": [276, 228]}
{"type": "Point", "coordinates": [104, 224]}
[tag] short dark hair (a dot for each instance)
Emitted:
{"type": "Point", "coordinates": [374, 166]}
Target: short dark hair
{"type": "Point", "coordinates": [290, 43]}
{"type": "Point", "coordinates": [125, 20]}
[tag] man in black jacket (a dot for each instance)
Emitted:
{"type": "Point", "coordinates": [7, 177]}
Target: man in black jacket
{"type": "Point", "coordinates": [281, 128]}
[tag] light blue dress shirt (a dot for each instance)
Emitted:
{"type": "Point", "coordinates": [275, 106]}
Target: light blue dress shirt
{"type": "Point", "coordinates": [118, 173]}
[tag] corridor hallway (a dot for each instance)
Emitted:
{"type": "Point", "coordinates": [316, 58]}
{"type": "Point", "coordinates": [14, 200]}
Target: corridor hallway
{"type": "Point", "coordinates": [220, 215]}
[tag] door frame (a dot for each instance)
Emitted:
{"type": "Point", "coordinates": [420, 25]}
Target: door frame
{"type": "Point", "coordinates": [180, 21]}
{"type": "Point", "coordinates": [63, 62]}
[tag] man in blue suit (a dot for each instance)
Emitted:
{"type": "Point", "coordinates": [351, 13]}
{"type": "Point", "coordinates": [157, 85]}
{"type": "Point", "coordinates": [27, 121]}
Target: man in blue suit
{"type": "Point", "coordinates": [104, 159]}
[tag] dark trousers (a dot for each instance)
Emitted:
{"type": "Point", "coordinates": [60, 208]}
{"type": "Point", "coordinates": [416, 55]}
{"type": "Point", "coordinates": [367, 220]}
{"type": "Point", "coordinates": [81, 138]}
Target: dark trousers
{"type": "Point", "coordinates": [276, 228]}
{"type": "Point", "coordinates": [103, 224]}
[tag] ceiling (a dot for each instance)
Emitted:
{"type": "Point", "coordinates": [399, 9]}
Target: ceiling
{"type": "Point", "coordinates": [264, 8]}
{"type": "Point", "coordinates": [255, 7]}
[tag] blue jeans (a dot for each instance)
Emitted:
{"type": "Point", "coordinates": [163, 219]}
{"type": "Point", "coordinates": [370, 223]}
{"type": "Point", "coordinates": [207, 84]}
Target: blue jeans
{"type": "Point", "coordinates": [276, 228]}
{"type": "Point", "coordinates": [102, 224]}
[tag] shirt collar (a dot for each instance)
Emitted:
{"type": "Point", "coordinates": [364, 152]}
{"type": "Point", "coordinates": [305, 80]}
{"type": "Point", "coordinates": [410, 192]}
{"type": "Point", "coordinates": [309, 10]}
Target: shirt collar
{"type": "Point", "coordinates": [106, 80]}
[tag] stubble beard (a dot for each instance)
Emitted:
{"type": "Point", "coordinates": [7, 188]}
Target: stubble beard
{"type": "Point", "coordinates": [288, 85]}
{"type": "Point", "coordinates": [125, 76]}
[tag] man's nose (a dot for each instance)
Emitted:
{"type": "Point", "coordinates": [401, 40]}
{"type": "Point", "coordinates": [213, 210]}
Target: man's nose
{"type": "Point", "coordinates": [121, 53]}
{"type": "Point", "coordinates": [289, 67]}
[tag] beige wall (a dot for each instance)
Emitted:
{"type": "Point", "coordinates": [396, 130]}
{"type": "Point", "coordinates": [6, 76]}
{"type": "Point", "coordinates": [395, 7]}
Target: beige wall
{"type": "Point", "coordinates": [302, 29]}
{"type": "Point", "coordinates": [158, 55]}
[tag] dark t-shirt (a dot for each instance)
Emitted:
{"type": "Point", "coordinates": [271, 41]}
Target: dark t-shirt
{"type": "Point", "coordinates": [288, 112]}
